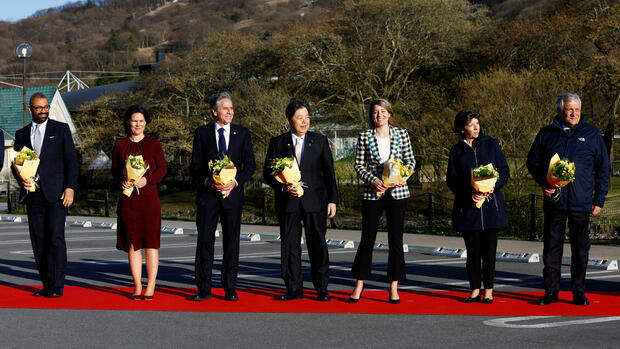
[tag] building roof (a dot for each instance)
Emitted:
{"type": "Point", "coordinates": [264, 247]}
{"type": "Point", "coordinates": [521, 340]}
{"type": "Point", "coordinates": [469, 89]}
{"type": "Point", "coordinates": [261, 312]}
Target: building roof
{"type": "Point", "coordinates": [11, 109]}
{"type": "Point", "coordinates": [75, 99]}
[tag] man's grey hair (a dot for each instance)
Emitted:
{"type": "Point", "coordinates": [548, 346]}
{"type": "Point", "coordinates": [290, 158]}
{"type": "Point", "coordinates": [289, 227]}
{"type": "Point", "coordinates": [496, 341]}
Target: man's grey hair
{"type": "Point", "coordinates": [215, 99]}
{"type": "Point", "coordinates": [566, 97]}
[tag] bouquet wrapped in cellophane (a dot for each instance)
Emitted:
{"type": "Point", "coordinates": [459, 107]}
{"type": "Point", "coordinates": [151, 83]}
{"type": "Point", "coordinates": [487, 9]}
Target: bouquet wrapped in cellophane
{"type": "Point", "coordinates": [483, 179]}
{"type": "Point", "coordinates": [223, 171]}
{"type": "Point", "coordinates": [560, 172]}
{"type": "Point", "coordinates": [26, 163]}
{"type": "Point", "coordinates": [135, 168]}
{"type": "Point", "coordinates": [286, 171]}
{"type": "Point", "coordinates": [395, 172]}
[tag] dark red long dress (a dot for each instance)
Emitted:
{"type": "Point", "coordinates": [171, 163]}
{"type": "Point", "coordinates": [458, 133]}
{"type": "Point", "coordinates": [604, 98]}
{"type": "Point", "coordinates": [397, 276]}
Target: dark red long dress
{"type": "Point", "coordinates": [139, 216]}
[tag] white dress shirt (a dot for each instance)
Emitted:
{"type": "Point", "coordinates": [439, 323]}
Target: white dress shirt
{"type": "Point", "coordinates": [226, 134]}
{"type": "Point", "coordinates": [42, 127]}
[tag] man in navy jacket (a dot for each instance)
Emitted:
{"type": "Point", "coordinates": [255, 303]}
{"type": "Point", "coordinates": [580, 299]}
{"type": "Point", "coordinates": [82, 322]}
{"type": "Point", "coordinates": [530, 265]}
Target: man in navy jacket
{"type": "Point", "coordinates": [572, 138]}
{"type": "Point", "coordinates": [211, 142]}
{"type": "Point", "coordinates": [55, 185]}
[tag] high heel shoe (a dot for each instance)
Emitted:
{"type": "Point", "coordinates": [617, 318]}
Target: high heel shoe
{"type": "Point", "coordinates": [136, 296]}
{"type": "Point", "coordinates": [148, 298]}
{"type": "Point", "coordinates": [355, 300]}
{"type": "Point", "coordinates": [393, 300]}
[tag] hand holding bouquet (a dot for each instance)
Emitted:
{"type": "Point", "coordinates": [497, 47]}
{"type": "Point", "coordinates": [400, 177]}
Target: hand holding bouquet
{"type": "Point", "coordinates": [483, 179]}
{"type": "Point", "coordinates": [26, 163]}
{"type": "Point", "coordinates": [395, 173]}
{"type": "Point", "coordinates": [135, 168]}
{"type": "Point", "coordinates": [223, 171]}
{"type": "Point", "coordinates": [560, 172]}
{"type": "Point", "coordinates": [286, 171]}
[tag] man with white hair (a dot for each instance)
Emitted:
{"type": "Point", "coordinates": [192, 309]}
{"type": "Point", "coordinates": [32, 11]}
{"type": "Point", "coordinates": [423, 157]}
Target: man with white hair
{"type": "Point", "coordinates": [571, 138]}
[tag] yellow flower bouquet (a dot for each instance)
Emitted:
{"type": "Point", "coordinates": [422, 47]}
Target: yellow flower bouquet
{"type": "Point", "coordinates": [395, 172]}
{"type": "Point", "coordinates": [223, 171]}
{"type": "Point", "coordinates": [135, 168]}
{"type": "Point", "coordinates": [26, 163]}
{"type": "Point", "coordinates": [286, 171]}
{"type": "Point", "coordinates": [483, 179]}
{"type": "Point", "coordinates": [560, 172]}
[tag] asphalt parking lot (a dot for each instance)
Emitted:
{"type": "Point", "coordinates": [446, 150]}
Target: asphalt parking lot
{"type": "Point", "coordinates": [94, 261]}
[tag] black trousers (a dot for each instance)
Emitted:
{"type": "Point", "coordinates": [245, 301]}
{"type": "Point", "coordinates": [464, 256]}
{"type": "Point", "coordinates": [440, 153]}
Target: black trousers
{"type": "Point", "coordinates": [206, 224]}
{"type": "Point", "coordinates": [46, 223]}
{"type": "Point", "coordinates": [315, 227]}
{"type": "Point", "coordinates": [481, 246]}
{"type": "Point", "coordinates": [555, 229]}
{"type": "Point", "coordinates": [371, 214]}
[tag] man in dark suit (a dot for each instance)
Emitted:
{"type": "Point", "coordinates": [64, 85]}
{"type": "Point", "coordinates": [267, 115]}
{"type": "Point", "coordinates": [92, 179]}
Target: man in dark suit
{"type": "Point", "coordinates": [312, 153]}
{"type": "Point", "coordinates": [55, 183]}
{"type": "Point", "coordinates": [1, 150]}
{"type": "Point", "coordinates": [212, 142]}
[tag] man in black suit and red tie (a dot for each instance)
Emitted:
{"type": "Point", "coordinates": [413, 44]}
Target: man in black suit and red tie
{"type": "Point", "coordinates": [213, 142]}
{"type": "Point", "coordinates": [55, 184]}
{"type": "Point", "coordinates": [313, 155]}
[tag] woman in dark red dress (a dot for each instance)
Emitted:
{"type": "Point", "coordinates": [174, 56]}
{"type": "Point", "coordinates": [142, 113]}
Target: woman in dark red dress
{"type": "Point", "coordinates": [139, 215]}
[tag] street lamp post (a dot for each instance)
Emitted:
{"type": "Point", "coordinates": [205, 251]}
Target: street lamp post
{"type": "Point", "coordinates": [24, 51]}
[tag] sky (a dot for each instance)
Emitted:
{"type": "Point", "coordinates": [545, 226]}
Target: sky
{"type": "Point", "coordinates": [14, 10]}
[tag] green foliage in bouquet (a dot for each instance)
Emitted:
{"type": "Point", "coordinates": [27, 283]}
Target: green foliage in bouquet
{"type": "Point", "coordinates": [485, 171]}
{"type": "Point", "coordinates": [23, 155]}
{"type": "Point", "coordinates": [564, 170]}
{"type": "Point", "coordinates": [216, 166]}
{"type": "Point", "coordinates": [137, 162]}
{"type": "Point", "coordinates": [279, 164]}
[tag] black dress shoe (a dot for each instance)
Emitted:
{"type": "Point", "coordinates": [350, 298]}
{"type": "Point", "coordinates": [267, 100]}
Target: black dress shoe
{"type": "Point", "coordinates": [56, 293]}
{"type": "Point", "coordinates": [548, 298]}
{"type": "Point", "coordinates": [323, 297]}
{"type": "Point", "coordinates": [487, 300]}
{"type": "Point", "coordinates": [471, 299]}
{"type": "Point", "coordinates": [288, 296]}
{"type": "Point", "coordinates": [231, 296]}
{"type": "Point", "coordinates": [580, 299]}
{"type": "Point", "coordinates": [202, 296]}
{"type": "Point", "coordinates": [41, 293]}
{"type": "Point", "coordinates": [355, 300]}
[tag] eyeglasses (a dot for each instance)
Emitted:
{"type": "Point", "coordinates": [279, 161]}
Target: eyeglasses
{"type": "Point", "coordinates": [37, 108]}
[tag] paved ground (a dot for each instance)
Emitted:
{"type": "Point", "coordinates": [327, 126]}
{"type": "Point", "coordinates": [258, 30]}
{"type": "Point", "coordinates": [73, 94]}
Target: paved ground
{"type": "Point", "coordinates": [93, 260]}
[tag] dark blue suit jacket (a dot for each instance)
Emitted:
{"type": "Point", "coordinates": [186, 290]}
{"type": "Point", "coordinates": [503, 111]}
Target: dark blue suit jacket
{"type": "Point", "coordinates": [58, 166]}
{"type": "Point", "coordinates": [239, 151]}
{"type": "Point", "coordinates": [2, 151]}
{"type": "Point", "coordinates": [317, 173]}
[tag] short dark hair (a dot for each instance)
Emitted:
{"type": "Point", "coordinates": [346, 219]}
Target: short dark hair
{"type": "Point", "coordinates": [36, 95]}
{"type": "Point", "coordinates": [463, 118]}
{"type": "Point", "coordinates": [294, 105]}
{"type": "Point", "coordinates": [214, 99]}
{"type": "Point", "coordinates": [133, 109]}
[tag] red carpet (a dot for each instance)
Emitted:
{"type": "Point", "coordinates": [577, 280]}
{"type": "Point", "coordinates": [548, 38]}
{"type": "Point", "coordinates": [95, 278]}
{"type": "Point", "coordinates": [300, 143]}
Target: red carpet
{"type": "Point", "coordinates": [257, 300]}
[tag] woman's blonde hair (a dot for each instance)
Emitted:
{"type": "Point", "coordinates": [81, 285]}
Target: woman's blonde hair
{"type": "Point", "coordinates": [382, 103]}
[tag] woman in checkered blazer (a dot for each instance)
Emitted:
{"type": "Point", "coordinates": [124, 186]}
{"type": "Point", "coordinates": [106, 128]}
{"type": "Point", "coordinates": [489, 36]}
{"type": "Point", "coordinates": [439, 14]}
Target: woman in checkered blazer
{"type": "Point", "coordinates": [375, 146]}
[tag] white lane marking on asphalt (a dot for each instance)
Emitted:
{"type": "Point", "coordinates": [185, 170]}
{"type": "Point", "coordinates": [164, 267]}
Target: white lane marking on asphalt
{"type": "Point", "coordinates": [107, 249]}
{"type": "Point", "coordinates": [507, 322]}
{"type": "Point", "coordinates": [84, 238]}
{"type": "Point", "coordinates": [216, 258]}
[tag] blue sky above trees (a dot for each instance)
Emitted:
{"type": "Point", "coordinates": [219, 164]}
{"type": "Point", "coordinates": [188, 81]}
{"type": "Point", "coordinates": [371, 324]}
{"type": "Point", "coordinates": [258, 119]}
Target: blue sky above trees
{"type": "Point", "coordinates": [15, 10]}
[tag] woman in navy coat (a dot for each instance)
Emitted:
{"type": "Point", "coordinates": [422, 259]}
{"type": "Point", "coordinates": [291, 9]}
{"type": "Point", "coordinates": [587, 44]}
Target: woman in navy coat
{"type": "Point", "coordinates": [479, 226]}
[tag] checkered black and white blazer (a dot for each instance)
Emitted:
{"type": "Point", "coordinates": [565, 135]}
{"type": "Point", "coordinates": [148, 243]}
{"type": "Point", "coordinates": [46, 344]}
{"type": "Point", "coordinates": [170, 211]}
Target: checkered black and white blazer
{"type": "Point", "coordinates": [368, 164]}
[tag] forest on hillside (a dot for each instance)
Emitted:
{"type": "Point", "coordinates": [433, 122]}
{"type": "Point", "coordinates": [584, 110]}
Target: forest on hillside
{"type": "Point", "coordinates": [109, 35]}
{"type": "Point", "coordinates": [430, 58]}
